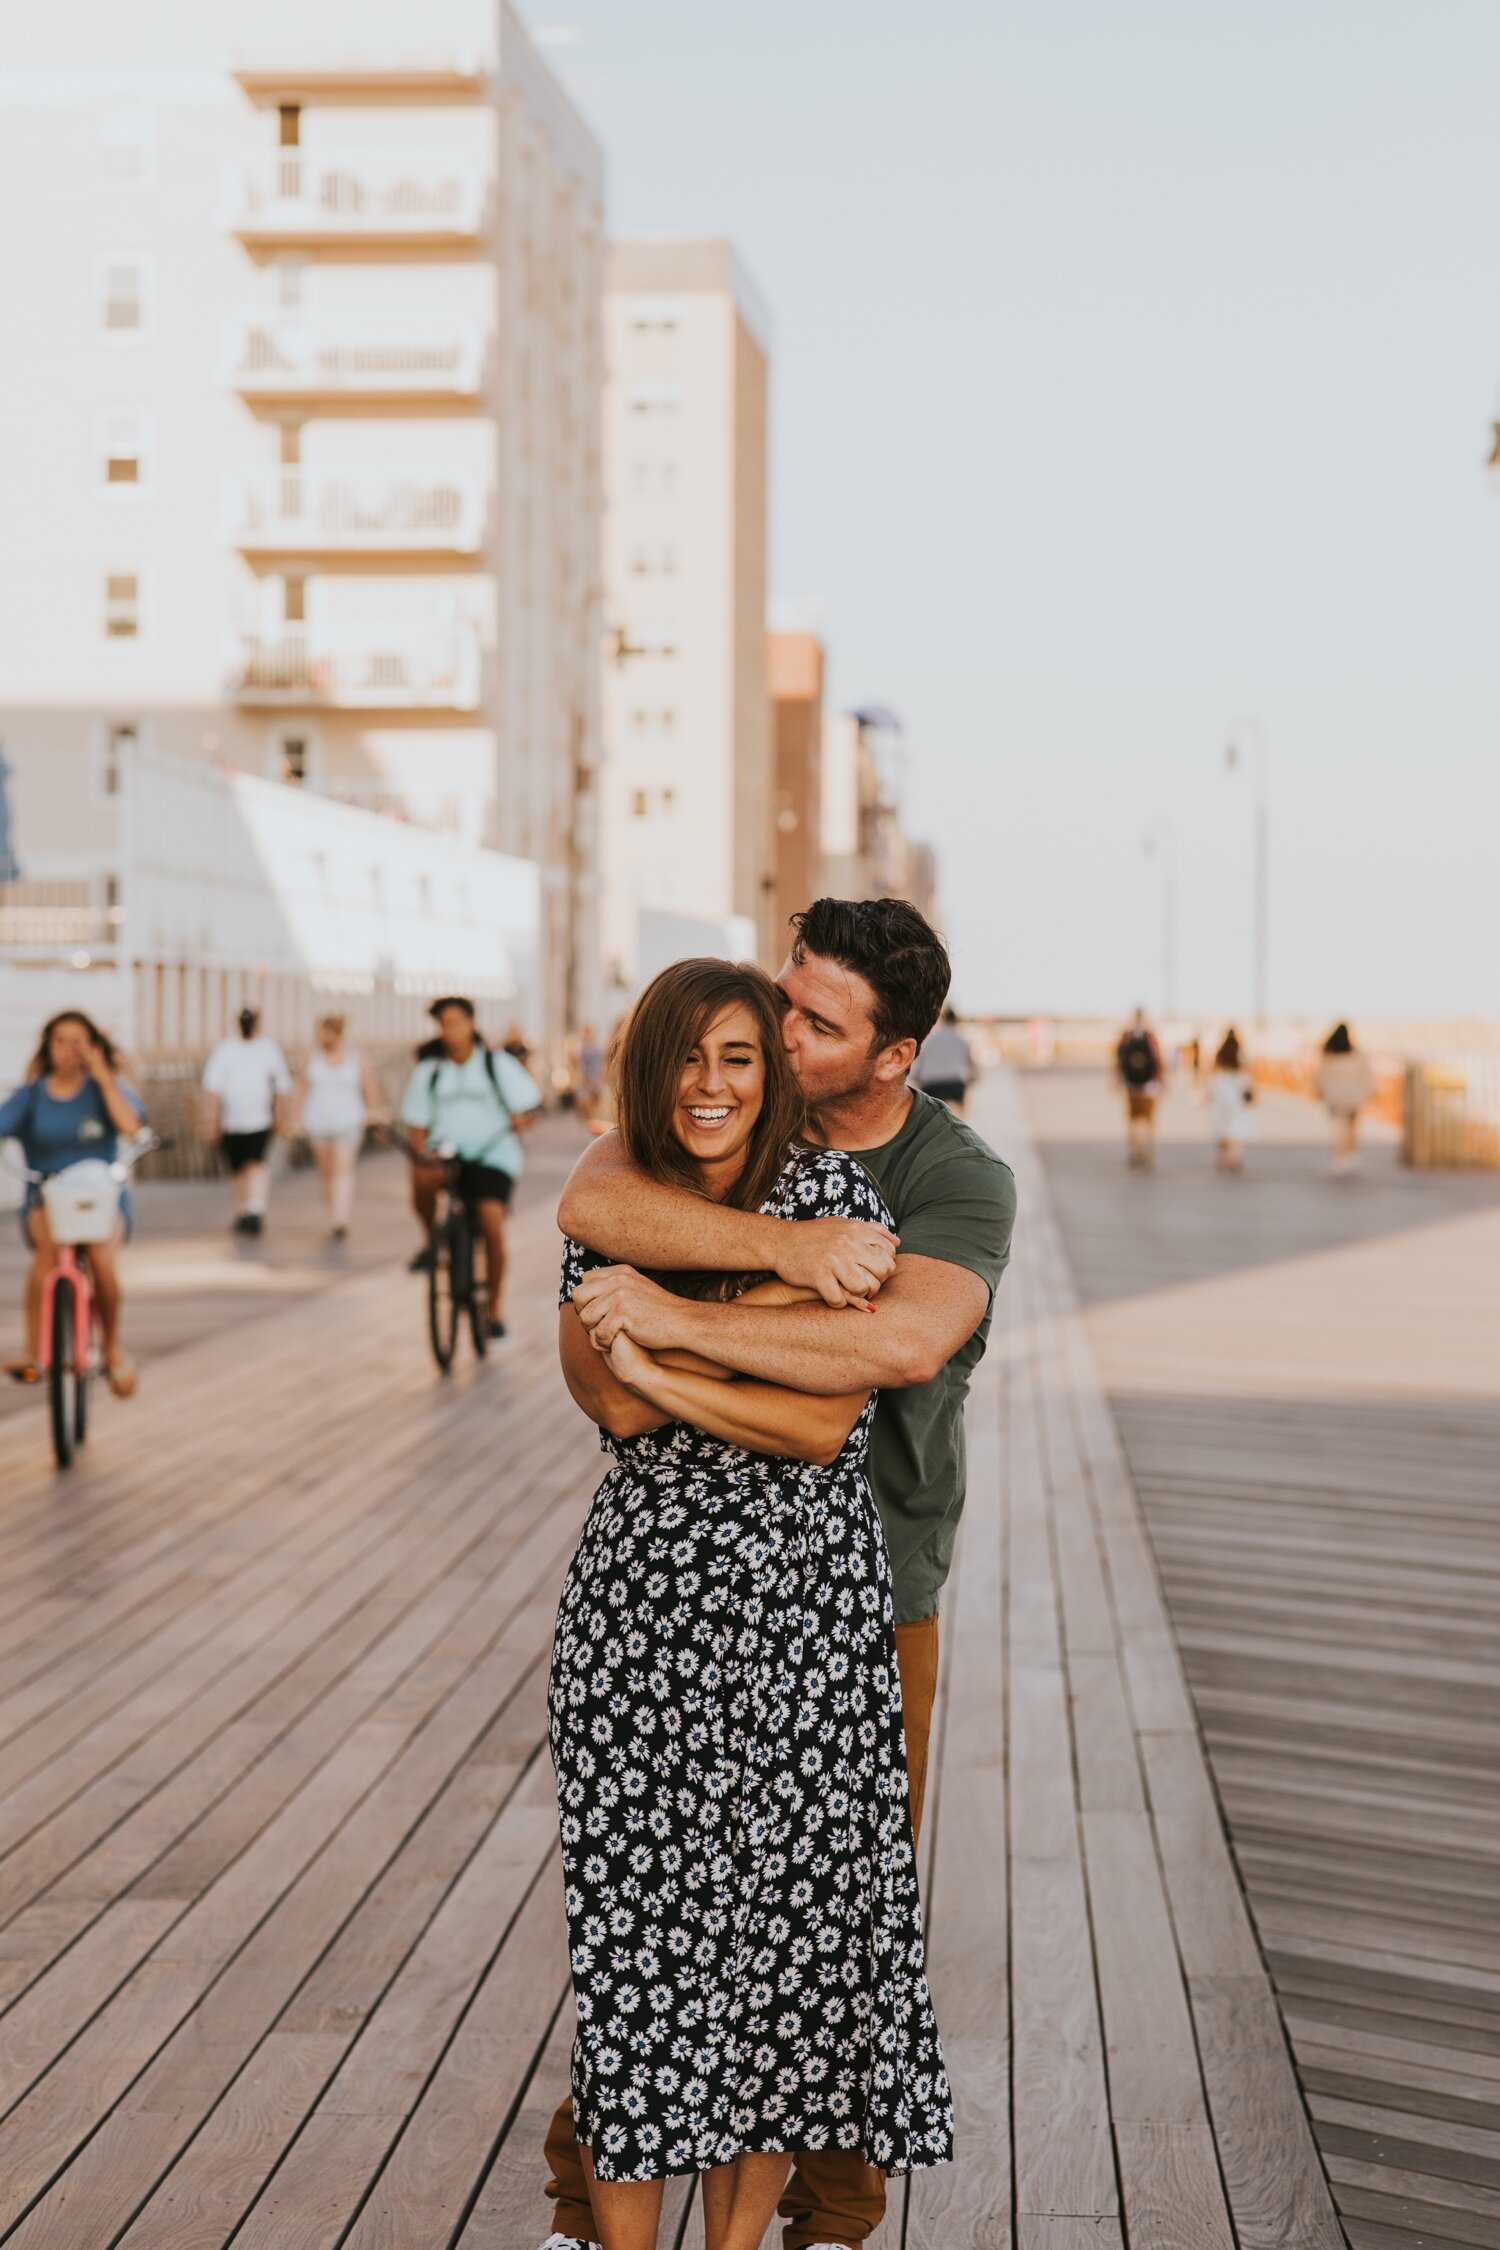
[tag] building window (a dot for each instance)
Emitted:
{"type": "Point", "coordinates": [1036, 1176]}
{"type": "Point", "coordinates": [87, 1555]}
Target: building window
{"type": "Point", "coordinates": [655, 316]}
{"type": "Point", "coordinates": [122, 296]}
{"type": "Point", "coordinates": [292, 759]}
{"type": "Point", "coordinates": [116, 751]}
{"type": "Point", "coordinates": [294, 600]}
{"type": "Point", "coordinates": [122, 606]}
{"type": "Point", "coordinates": [291, 444]}
{"type": "Point", "coordinates": [121, 449]}
{"type": "Point", "coordinates": [638, 803]}
{"type": "Point", "coordinates": [289, 126]}
{"type": "Point", "coordinates": [288, 283]}
{"type": "Point", "coordinates": [655, 398]}
{"type": "Point", "coordinates": [125, 145]}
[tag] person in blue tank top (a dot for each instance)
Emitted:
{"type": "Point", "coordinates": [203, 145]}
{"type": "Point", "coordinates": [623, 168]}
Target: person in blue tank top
{"type": "Point", "coordinates": [72, 1105]}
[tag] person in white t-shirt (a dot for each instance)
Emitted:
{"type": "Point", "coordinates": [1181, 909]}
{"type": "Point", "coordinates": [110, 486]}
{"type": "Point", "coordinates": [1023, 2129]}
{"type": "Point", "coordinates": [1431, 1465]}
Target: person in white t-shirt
{"type": "Point", "coordinates": [246, 1085]}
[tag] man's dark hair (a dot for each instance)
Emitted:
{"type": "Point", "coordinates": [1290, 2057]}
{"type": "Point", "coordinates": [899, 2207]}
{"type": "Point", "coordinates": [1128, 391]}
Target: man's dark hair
{"type": "Point", "coordinates": [893, 947]}
{"type": "Point", "coordinates": [451, 1000]}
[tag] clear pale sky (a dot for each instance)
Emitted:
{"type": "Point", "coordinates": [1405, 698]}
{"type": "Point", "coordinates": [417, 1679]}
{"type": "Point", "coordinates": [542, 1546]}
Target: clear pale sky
{"type": "Point", "coordinates": [1134, 361]}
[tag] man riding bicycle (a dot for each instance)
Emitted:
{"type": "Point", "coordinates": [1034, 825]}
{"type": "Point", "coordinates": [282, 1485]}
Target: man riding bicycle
{"type": "Point", "coordinates": [477, 1101]}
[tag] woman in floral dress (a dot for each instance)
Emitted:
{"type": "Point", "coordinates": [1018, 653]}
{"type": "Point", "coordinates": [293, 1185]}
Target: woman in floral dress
{"type": "Point", "coordinates": [725, 1710]}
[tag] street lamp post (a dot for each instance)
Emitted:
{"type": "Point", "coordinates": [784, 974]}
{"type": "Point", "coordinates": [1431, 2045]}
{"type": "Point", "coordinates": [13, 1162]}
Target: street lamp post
{"type": "Point", "coordinates": [1252, 732]}
{"type": "Point", "coordinates": [1162, 839]}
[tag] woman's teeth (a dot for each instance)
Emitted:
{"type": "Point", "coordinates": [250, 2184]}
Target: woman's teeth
{"type": "Point", "coordinates": [709, 1116]}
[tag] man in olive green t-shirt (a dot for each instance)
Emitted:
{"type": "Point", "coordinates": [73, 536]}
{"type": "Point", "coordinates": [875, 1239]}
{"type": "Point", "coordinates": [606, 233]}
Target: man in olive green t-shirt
{"type": "Point", "coordinates": [862, 988]}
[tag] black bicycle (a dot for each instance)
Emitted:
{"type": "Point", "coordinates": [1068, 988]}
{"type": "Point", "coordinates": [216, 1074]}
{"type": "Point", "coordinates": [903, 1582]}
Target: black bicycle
{"type": "Point", "coordinates": [458, 1265]}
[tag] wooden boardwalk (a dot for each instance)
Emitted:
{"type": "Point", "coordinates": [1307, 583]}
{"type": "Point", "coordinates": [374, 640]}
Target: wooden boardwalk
{"type": "Point", "coordinates": [281, 1947]}
{"type": "Point", "coordinates": [1306, 1374]}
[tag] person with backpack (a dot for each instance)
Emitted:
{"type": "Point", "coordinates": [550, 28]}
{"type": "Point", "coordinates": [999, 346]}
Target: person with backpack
{"type": "Point", "coordinates": [475, 1100]}
{"type": "Point", "coordinates": [1138, 1066]}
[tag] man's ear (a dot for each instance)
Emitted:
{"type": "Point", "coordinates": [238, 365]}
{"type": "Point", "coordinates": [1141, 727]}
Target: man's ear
{"type": "Point", "coordinates": [896, 1060]}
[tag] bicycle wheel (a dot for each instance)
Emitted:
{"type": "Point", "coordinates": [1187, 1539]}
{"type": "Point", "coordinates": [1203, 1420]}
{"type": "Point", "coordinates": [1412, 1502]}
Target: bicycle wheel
{"type": "Point", "coordinates": [62, 1371]}
{"type": "Point", "coordinates": [479, 1289]}
{"type": "Point", "coordinates": [444, 1299]}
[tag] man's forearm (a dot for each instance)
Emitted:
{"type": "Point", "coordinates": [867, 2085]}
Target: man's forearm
{"type": "Point", "coordinates": [807, 1347]}
{"type": "Point", "coordinates": [612, 1209]}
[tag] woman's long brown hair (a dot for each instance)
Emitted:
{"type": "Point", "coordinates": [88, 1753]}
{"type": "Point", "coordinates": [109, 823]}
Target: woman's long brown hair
{"type": "Point", "coordinates": [41, 1061]}
{"type": "Point", "coordinates": [665, 1025]}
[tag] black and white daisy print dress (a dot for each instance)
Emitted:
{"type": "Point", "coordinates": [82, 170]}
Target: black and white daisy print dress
{"type": "Point", "coordinates": [725, 1715]}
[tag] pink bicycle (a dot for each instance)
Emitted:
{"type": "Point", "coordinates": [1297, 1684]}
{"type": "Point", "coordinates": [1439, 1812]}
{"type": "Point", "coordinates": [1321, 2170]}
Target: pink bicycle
{"type": "Point", "coordinates": [82, 1203]}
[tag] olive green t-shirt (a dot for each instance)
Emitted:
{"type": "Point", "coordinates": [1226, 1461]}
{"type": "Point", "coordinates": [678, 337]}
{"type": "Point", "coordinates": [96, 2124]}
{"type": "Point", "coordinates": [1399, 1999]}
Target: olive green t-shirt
{"type": "Point", "coordinates": [952, 1198]}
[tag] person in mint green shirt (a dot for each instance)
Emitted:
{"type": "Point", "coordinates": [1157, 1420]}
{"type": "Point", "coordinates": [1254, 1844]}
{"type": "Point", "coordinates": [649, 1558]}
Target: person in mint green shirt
{"type": "Point", "coordinates": [476, 1101]}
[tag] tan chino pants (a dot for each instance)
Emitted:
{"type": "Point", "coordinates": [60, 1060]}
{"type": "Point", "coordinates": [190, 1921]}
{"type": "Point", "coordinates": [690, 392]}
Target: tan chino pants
{"type": "Point", "coordinates": [833, 2194]}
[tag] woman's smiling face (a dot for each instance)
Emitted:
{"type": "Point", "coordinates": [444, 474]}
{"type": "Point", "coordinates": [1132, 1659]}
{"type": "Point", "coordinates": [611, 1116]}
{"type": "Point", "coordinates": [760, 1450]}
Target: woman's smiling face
{"type": "Point", "coordinates": [720, 1089]}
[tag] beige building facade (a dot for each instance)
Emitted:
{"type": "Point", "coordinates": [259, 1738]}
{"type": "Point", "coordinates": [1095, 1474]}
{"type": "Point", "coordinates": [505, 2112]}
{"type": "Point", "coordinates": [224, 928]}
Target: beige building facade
{"type": "Point", "coordinates": [688, 835]}
{"type": "Point", "coordinates": [302, 453]}
{"type": "Point", "coordinates": [794, 663]}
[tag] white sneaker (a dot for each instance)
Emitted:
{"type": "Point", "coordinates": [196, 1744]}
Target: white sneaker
{"type": "Point", "coordinates": [567, 2242]}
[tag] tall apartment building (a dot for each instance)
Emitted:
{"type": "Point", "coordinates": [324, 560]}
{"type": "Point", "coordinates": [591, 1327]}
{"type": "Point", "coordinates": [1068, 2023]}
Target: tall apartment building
{"type": "Point", "coordinates": [301, 414]}
{"type": "Point", "coordinates": [866, 850]}
{"type": "Point", "coordinates": [794, 664]}
{"type": "Point", "coordinates": [689, 842]}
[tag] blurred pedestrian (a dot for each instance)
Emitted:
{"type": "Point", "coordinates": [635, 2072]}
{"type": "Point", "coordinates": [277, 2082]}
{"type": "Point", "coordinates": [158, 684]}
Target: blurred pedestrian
{"type": "Point", "coordinates": [1139, 1068]}
{"type": "Point", "coordinates": [246, 1084]}
{"type": "Point", "coordinates": [1346, 1082]}
{"type": "Point", "coordinates": [1231, 1104]}
{"type": "Point", "coordinates": [946, 1068]}
{"type": "Point", "coordinates": [515, 1045]}
{"type": "Point", "coordinates": [336, 1098]}
{"type": "Point", "coordinates": [590, 1075]}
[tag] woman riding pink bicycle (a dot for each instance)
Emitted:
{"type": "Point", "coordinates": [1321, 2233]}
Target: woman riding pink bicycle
{"type": "Point", "coordinates": [72, 1106]}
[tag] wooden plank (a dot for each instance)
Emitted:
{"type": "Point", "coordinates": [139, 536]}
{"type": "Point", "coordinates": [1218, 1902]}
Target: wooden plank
{"type": "Point", "coordinates": [1170, 2186]}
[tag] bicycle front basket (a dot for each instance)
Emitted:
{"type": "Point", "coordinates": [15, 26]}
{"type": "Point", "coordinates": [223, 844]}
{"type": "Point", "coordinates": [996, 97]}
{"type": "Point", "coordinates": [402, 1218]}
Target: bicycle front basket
{"type": "Point", "coordinates": [83, 1202]}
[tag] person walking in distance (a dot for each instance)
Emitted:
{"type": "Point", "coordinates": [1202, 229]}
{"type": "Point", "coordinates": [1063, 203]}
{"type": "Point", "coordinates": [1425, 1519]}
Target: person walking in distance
{"type": "Point", "coordinates": [1138, 1066]}
{"type": "Point", "coordinates": [476, 1100]}
{"type": "Point", "coordinates": [771, 1992]}
{"type": "Point", "coordinates": [1231, 1098]}
{"type": "Point", "coordinates": [1345, 1083]}
{"type": "Point", "coordinates": [860, 991]}
{"type": "Point", "coordinates": [246, 1085]}
{"type": "Point", "coordinates": [946, 1068]}
{"type": "Point", "coordinates": [336, 1098]}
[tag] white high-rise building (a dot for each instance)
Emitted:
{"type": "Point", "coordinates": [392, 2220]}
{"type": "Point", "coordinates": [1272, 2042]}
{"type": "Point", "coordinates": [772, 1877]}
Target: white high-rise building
{"type": "Point", "coordinates": [688, 836]}
{"type": "Point", "coordinates": [300, 430]}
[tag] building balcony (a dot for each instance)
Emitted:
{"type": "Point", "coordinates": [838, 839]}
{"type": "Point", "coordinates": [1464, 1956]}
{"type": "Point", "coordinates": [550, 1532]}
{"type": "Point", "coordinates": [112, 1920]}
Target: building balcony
{"type": "Point", "coordinates": [416, 200]}
{"type": "Point", "coordinates": [375, 361]}
{"type": "Point", "coordinates": [369, 668]}
{"type": "Point", "coordinates": [354, 515]}
{"type": "Point", "coordinates": [366, 77]}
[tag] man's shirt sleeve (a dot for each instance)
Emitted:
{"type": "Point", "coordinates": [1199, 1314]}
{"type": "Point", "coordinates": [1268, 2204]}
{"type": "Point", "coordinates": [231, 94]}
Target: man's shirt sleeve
{"type": "Point", "coordinates": [520, 1090]}
{"type": "Point", "coordinates": [417, 1105]}
{"type": "Point", "coordinates": [964, 1214]}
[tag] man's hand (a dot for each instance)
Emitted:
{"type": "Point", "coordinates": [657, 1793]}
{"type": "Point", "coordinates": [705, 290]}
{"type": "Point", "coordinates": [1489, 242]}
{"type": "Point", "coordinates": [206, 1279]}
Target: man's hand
{"type": "Point", "coordinates": [617, 1299]}
{"type": "Point", "coordinates": [844, 1261]}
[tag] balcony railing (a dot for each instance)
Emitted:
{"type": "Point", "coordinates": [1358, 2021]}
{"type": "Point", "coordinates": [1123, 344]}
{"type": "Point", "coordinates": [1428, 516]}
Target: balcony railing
{"type": "Point", "coordinates": [294, 196]}
{"type": "Point", "coordinates": [357, 511]}
{"type": "Point", "coordinates": [445, 813]}
{"type": "Point", "coordinates": [56, 910]}
{"type": "Point", "coordinates": [359, 357]}
{"type": "Point", "coordinates": [369, 668]}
